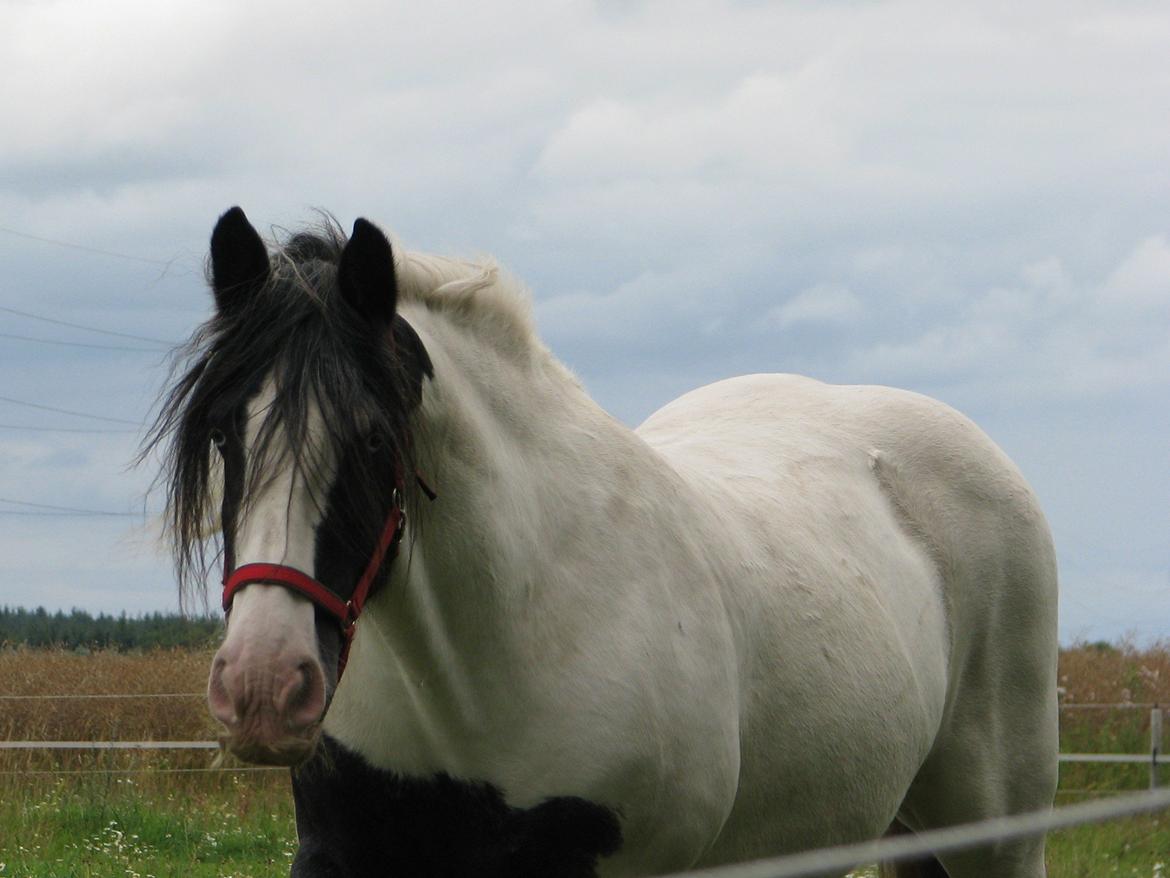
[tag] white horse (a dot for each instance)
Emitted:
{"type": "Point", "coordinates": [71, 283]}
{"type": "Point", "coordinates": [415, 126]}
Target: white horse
{"type": "Point", "coordinates": [778, 615]}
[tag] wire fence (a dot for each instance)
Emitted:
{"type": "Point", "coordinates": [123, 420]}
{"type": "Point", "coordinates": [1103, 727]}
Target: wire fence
{"type": "Point", "coordinates": [802, 865]}
{"type": "Point", "coordinates": [102, 695]}
{"type": "Point", "coordinates": [839, 860]}
{"type": "Point", "coordinates": [1154, 757]}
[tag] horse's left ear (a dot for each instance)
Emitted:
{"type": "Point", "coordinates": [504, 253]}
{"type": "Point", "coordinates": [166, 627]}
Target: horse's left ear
{"type": "Point", "coordinates": [365, 274]}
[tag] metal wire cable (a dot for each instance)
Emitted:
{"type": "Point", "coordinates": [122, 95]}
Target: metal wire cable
{"type": "Point", "coordinates": [104, 695]}
{"type": "Point", "coordinates": [952, 838]}
{"type": "Point", "coordinates": [49, 408]}
{"type": "Point", "coordinates": [38, 429]}
{"type": "Point", "coordinates": [109, 745]}
{"type": "Point", "coordinates": [56, 242]}
{"type": "Point", "coordinates": [72, 771]}
{"type": "Point", "coordinates": [64, 510]}
{"type": "Point", "coordinates": [80, 344]}
{"type": "Point", "coordinates": [31, 316]}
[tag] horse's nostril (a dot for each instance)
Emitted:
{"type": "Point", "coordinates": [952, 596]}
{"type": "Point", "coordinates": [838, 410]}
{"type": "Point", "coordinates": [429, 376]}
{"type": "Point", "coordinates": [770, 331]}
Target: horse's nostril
{"type": "Point", "coordinates": [219, 699]}
{"type": "Point", "coordinates": [301, 701]}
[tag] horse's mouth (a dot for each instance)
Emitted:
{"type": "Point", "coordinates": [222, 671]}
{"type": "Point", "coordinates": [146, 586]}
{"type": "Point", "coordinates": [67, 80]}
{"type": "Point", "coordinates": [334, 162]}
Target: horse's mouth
{"type": "Point", "coordinates": [289, 750]}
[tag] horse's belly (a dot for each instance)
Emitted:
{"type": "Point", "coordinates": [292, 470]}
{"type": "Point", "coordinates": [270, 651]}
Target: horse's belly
{"type": "Point", "coordinates": [842, 704]}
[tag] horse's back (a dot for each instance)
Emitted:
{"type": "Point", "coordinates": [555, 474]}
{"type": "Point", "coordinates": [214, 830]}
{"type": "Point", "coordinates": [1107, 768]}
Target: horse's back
{"type": "Point", "coordinates": [898, 591]}
{"type": "Point", "coordinates": [790, 447]}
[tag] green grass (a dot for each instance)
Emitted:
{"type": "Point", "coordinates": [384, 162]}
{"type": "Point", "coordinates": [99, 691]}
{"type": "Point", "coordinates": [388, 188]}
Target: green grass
{"type": "Point", "coordinates": [102, 826]}
{"type": "Point", "coordinates": [1135, 846]}
{"type": "Point", "coordinates": [154, 822]}
{"type": "Point", "coordinates": [241, 825]}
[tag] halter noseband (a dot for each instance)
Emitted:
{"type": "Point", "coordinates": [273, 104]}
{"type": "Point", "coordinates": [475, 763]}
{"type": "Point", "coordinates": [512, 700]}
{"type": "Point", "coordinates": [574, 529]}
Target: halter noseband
{"type": "Point", "coordinates": [345, 611]}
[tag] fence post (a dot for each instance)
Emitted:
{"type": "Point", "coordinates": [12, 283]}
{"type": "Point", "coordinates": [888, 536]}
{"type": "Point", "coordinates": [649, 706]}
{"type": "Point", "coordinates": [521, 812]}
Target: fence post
{"type": "Point", "coordinates": [1155, 744]}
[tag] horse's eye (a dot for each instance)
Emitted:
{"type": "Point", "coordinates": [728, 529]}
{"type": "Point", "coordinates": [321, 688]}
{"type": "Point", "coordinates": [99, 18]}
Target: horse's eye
{"type": "Point", "coordinates": [374, 441]}
{"type": "Point", "coordinates": [218, 438]}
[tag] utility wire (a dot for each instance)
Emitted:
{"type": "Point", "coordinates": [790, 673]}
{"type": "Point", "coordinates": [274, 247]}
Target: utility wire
{"type": "Point", "coordinates": [34, 428]}
{"type": "Point", "coordinates": [49, 408]}
{"type": "Point", "coordinates": [44, 319]}
{"type": "Point", "coordinates": [58, 243]}
{"type": "Point", "coordinates": [80, 344]}
{"type": "Point", "coordinates": [28, 513]}
{"type": "Point", "coordinates": [68, 509]}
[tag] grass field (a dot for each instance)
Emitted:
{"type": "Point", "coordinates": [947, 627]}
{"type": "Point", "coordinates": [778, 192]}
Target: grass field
{"type": "Point", "coordinates": [70, 814]}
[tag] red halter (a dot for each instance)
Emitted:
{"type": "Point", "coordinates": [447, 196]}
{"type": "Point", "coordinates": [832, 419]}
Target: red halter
{"type": "Point", "coordinates": [344, 611]}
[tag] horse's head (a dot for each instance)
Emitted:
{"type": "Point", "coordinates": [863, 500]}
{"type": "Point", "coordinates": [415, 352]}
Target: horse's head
{"type": "Point", "coordinates": [290, 437]}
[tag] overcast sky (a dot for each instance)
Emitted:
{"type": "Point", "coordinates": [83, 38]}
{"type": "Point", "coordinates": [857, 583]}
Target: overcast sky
{"type": "Point", "coordinates": [969, 200]}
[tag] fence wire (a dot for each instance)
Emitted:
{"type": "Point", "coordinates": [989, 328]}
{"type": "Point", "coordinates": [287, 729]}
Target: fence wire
{"type": "Point", "coordinates": [214, 769]}
{"type": "Point", "coordinates": [939, 841]}
{"type": "Point", "coordinates": [104, 695]}
{"type": "Point", "coordinates": [803, 865]}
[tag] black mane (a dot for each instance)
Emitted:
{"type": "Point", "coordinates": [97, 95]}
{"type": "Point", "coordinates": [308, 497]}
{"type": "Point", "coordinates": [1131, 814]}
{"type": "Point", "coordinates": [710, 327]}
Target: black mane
{"type": "Point", "coordinates": [297, 329]}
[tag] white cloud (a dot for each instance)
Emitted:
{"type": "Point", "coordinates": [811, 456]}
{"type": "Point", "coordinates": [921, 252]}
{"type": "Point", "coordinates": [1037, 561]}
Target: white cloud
{"type": "Point", "coordinates": [766, 126]}
{"type": "Point", "coordinates": [1047, 335]}
{"type": "Point", "coordinates": [1140, 285]}
{"type": "Point", "coordinates": [968, 199]}
{"type": "Point", "coordinates": [823, 303]}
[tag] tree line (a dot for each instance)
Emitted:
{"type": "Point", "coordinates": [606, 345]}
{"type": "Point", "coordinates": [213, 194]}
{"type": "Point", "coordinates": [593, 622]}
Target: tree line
{"type": "Point", "coordinates": [78, 629]}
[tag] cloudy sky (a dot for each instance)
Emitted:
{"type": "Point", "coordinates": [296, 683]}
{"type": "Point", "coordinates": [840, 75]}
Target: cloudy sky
{"type": "Point", "coordinates": [969, 200]}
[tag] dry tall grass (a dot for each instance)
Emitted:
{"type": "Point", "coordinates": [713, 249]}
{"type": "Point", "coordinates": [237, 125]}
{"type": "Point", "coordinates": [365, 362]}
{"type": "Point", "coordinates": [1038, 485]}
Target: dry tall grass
{"type": "Point", "coordinates": [1088, 673]}
{"type": "Point", "coordinates": [38, 673]}
{"type": "Point", "coordinates": [1115, 673]}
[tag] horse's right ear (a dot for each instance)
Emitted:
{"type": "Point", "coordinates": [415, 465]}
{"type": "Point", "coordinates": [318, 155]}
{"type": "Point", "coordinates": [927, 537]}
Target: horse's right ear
{"type": "Point", "coordinates": [239, 259]}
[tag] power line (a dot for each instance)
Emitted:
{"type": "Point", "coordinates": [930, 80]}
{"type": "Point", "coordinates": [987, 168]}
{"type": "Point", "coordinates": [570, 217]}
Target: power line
{"type": "Point", "coordinates": [44, 319]}
{"type": "Point", "coordinates": [29, 513]}
{"type": "Point", "coordinates": [80, 344]}
{"type": "Point", "coordinates": [34, 428]}
{"type": "Point", "coordinates": [84, 247]}
{"type": "Point", "coordinates": [64, 509]}
{"type": "Point", "coordinates": [49, 408]}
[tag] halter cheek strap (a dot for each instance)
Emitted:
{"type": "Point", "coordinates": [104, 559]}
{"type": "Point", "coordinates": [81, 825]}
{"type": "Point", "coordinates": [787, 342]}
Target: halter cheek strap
{"type": "Point", "coordinates": [345, 611]}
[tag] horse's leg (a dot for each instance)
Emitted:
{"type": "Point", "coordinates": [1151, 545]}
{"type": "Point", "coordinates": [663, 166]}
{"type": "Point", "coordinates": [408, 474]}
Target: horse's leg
{"type": "Point", "coordinates": [996, 755]}
{"type": "Point", "coordinates": [927, 867]}
{"type": "Point", "coordinates": [312, 862]}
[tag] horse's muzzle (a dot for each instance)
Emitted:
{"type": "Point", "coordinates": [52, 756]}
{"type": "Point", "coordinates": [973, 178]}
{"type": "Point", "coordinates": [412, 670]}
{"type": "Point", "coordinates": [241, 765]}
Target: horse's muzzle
{"type": "Point", "coordinates": [271, 709]}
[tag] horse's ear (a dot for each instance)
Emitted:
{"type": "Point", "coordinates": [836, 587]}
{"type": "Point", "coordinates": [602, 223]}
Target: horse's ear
{"type": "Point", "coordinates": [365, 274]}
{"type": "Point", "coordinates": [239, 259]}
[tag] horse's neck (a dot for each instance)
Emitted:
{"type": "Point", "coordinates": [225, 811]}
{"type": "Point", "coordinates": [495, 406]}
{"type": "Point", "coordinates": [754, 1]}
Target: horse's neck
{"type": "Point", "coordinates": [528, 472]}
{"type": "Point", "coordinates": [519, 453]}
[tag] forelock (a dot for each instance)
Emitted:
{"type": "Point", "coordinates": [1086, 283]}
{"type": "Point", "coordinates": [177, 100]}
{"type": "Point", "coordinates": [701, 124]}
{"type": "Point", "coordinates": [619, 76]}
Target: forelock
{"type": "Point", "coordinates": [297, 333]}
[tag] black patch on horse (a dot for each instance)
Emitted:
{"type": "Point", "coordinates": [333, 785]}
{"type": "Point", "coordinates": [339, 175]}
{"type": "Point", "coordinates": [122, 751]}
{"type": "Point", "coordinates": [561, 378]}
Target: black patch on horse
{"type": "Point", "coordinates": [358, 821]}
{"type": "Point", "coordinates": [318, 317]}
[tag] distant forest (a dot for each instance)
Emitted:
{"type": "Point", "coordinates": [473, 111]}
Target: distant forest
{"type": "Point", "coordinates": [79, 630]}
